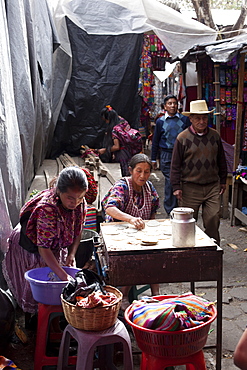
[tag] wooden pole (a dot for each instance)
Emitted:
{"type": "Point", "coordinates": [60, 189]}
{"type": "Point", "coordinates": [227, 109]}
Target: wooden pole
{"type": "Point", "coordinates": [217, 95]}
{"type": "Point", "coordinates": [199, 79]}
{"type": "Point", "coordinates": [237, 147]}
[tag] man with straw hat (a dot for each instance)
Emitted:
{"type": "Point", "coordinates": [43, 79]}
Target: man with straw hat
{"type": "Point", "coordinates": [198, 168]}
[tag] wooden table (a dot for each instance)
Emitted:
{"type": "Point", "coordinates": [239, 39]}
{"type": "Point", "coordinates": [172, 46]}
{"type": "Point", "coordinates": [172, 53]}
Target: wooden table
{"type": "Point", "coordinates": [130, 263]}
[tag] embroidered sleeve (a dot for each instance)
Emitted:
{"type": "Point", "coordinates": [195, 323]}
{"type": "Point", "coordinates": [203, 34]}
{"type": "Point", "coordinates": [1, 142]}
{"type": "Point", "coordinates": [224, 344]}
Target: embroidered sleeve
{"type": "Point", "coordinates": [117, 196]}
{"type": "Point", "coordinates": [49, 228]}
{"type": "Point", "coordinates": [42, 227]}
{"type": "Point", "coordinates": [155, 199]}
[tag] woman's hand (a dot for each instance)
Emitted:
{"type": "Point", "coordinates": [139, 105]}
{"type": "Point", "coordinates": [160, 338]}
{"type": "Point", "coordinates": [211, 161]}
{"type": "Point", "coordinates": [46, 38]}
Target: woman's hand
{"type": "Point", "coordinates": [70, 261]}
{"type": "Point", "coordinates": [51, 262]}
{"type": "Point", "coordinates": [101, 151]}
{"type": "Point", "coordinates": [72, 249]}
{"type": "Point", "coordinates": [137, 222]}
{"type": "Point", "coordinates": [116, 214]}
{"type": "Point", "coordinates": [115, 146]}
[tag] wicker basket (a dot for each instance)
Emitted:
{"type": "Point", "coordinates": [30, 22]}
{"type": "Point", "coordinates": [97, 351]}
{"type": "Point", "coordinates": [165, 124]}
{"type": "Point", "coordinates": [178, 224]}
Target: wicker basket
{"type": "Point", "coordinates": [93, 319]}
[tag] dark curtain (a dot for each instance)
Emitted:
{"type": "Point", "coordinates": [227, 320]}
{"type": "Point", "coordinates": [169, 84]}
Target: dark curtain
{"type": "Point", "coordinates": [105, 70]}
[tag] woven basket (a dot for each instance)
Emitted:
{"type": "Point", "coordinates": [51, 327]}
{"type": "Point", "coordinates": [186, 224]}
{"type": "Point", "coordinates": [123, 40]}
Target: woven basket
{"type": "Point", "coordinates": [93, 319]}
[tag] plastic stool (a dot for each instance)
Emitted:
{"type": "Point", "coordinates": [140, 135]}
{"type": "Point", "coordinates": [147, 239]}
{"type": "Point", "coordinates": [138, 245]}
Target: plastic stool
{"type": "Point", "coordinates": [192, 362]}
{"type": "Point", "coordinates": [46, 313]}
{"type": "Point", "coordinates": [89, 340]}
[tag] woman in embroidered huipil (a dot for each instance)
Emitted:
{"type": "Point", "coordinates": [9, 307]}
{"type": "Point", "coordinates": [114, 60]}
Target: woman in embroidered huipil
{"type": "Point", "coordinates": [116, 145]}
{"type": "Point", "coordinates": [133, 199]}
{"type": "Point", "coordinates": [48, 234]}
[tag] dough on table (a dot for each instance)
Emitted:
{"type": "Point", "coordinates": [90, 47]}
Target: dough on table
{"type": "Point", "coordinates": [149, 240]}
{"type": "Point", "coordinates": [153, 223]}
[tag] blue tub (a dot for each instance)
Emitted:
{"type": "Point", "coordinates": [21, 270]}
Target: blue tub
{"type": "Point", "coordinates": [43, 290]}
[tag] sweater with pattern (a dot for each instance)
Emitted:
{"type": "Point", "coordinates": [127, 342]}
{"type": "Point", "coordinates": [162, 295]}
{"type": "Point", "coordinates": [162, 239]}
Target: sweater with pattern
{"type": "Point", "coordinates": [166, 131]}
{"type": "Point", "coordinates": [198, 159]}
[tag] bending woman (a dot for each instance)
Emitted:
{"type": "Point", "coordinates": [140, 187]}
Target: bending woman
{"type": "Point", "coordinates": [133, 199]}
{"type": "Point", "coordinates": [48, 234]}
{"type": "Point", "coordinates": [114, 147]}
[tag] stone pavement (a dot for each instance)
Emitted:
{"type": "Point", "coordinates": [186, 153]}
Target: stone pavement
{"type": "Point", "coordinates": [233, 243]}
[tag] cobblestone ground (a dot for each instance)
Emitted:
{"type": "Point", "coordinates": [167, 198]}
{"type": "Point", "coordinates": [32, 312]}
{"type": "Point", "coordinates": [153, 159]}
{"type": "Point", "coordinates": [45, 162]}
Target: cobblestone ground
{"type": "Point", "coordinates": [234, 243]}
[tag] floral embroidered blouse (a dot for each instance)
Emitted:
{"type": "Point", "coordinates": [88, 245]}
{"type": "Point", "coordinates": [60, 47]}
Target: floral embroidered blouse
{"type": "Point", "coordinates": [50, 225]}
{"type": "Point", "coordinates": [118, 196]}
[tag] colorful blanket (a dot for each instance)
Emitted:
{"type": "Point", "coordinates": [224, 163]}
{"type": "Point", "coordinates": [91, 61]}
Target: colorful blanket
{"type": "Point", "coordinates": [181, 312]}
{"type": "Point", "coordinates": [5, 363]}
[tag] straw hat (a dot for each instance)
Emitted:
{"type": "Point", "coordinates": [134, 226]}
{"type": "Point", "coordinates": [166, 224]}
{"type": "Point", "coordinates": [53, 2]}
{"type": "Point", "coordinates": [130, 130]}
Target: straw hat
{"type": "Point", "coordinates": [198, 107]}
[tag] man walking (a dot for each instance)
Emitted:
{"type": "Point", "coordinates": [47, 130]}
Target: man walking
{"type": "Point", "coordinates": [198, 168]}
{"type": "Point", "coordinates": [166, 130]}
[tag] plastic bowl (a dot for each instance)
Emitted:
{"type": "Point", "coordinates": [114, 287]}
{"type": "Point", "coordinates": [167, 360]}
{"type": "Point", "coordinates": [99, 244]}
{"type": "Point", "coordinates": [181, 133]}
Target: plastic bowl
{"type": "Point", "coordinates": [46, 291]}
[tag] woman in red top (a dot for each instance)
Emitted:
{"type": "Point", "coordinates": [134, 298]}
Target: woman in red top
{"type": "Point", "coordinates": [48, 234]}
{"type": "Point", "coordinates": [116, 146]}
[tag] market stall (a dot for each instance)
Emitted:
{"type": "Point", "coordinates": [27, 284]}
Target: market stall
{"type": "Point", "coordinates": [128, 261]}
{"type": "Point", "coordinates": [221, 72]}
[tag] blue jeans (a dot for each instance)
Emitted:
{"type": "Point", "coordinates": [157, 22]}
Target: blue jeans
{"type": "Point", "coordinates": [170, 200]}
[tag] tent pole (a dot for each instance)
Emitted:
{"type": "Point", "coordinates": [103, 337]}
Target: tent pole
{"type": "Point", "coordinates": [199, 79]}
{"type": "Point", "coordinates": [237, 146]}
{"type": "Point", "coordinates": [239, 111]}
{"type": "Point", "coordinates": [217, 95]}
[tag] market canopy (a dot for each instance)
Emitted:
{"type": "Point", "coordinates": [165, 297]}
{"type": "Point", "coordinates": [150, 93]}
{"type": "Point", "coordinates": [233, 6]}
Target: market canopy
{"type": "Point", "coordinates": [101, 42]}
{"type": "Point", "coordinates": [220, 51]}
{"type": "Point", "coordinates": [115, 17]}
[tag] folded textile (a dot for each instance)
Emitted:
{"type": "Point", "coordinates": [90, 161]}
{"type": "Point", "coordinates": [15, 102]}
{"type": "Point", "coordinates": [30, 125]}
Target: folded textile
{"type": "Point", "coordinates": [177, 313]}
{"type": "Point", "coordinates": [5, 363]}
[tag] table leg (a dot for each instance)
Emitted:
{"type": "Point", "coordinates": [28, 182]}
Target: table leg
{"type": "Point", "coordinates": [192, 287]}
{"type": "Point", "coordinates": [219, 324]}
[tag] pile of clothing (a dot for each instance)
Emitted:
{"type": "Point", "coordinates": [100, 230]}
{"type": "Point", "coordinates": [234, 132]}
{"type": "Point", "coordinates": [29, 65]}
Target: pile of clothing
{"type": "Point", "coordinates": [87, 290]}
{"type": "Point", "coordinates": [7, 364]}
{"type": "Point", "coordinates": [175, 313]}
{"type": "Point", "coordinates": [241, 172]}
{"type": "Point", "coordinates": [96, 299]}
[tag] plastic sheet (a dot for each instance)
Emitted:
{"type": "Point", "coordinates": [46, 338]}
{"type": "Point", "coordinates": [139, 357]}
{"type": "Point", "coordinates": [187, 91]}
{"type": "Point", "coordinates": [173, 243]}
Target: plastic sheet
{"type": "Point", "coordinates": [26, 73]}
{"type": "Point", "coordinates": [105, 70]}
{"type": "Point", "coordinates": [225, 51]}
{"type": "Point", "coordinates": [115, 17]}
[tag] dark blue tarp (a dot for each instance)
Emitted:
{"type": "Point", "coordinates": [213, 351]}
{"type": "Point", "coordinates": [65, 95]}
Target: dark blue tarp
{"type": "Point", "coordinates": [105, 70]}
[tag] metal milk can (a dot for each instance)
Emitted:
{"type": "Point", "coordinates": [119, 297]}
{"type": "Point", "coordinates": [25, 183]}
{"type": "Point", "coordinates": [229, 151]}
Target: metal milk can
{"type": "Point", "coordinates": [183, 227]}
